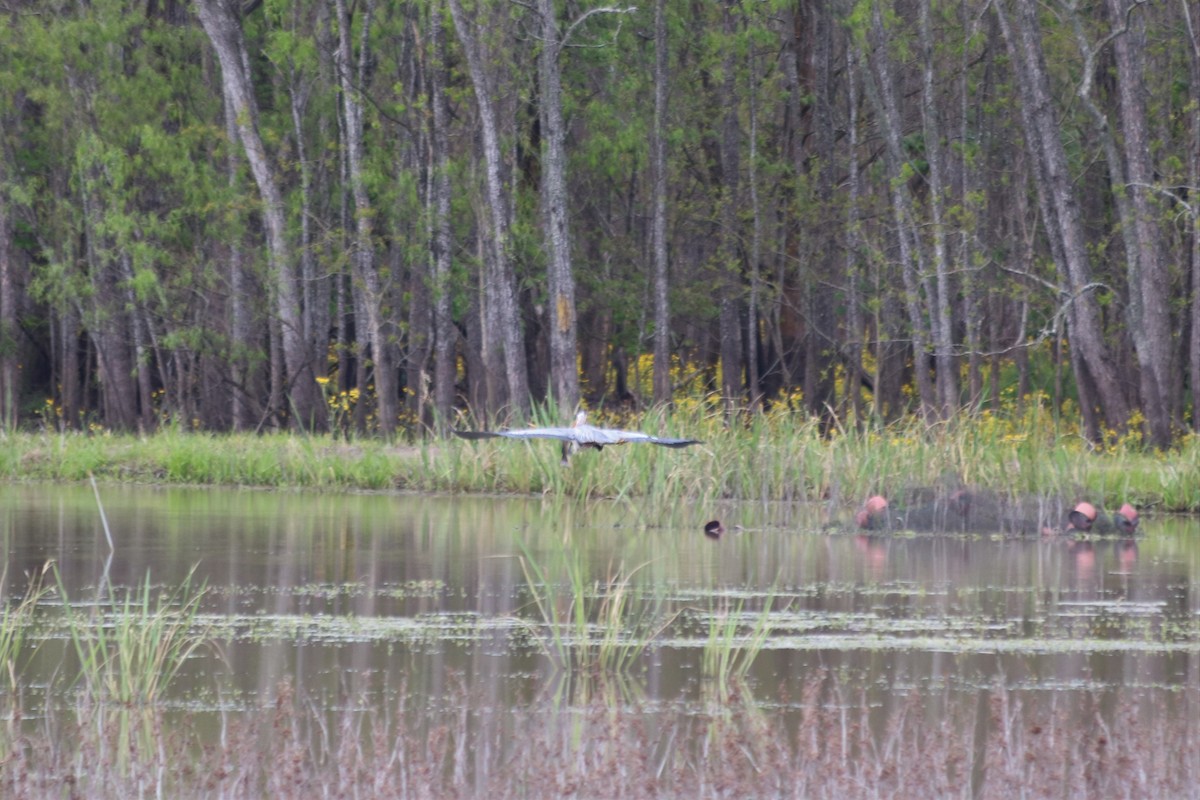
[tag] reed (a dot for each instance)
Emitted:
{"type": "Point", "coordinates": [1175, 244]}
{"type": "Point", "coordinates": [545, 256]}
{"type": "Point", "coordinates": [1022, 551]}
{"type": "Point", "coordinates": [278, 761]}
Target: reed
{"type": "Point", "coordinates": [585, 624]}
{"type": "Point", "coordinates": [131, 645]}
{"type": "Point", "coordinates": [735, 638]}
{"type": "Point", "coordinates": [16, 620]}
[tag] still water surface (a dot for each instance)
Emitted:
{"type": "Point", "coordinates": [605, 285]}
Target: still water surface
{"type": "Point", "coordinates": [352, 596]}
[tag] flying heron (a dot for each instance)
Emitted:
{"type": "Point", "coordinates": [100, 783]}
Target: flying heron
{"type": "Point", "coordinates": [580, 435]}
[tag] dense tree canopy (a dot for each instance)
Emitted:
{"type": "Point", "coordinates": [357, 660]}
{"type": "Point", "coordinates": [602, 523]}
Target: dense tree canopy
{"type": "Point", "coordinates": [363, 215]}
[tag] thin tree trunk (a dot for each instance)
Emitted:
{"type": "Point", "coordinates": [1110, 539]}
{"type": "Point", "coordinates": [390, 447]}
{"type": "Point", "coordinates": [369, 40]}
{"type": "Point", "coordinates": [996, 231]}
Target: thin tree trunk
{"type": "Point", "coordinates": [1060, 209]}
{"type": "Point", "coordinates": [500, 286]}
{"type": "Point", "coordinates": [1021, 357]}
{"type": "Point", "coordinates": [973, 313]}
{"type": "Point", "coordinates": [658, 170]}
{"type": "Point", "coordinates": [941, 301]}
{"type": "Point", "coordinates": [445, 334]}
{"type": "Point", "coordinates": [564, 372]}
{"type": "Point", "coordinates": [728, 250]}
{"type": "Point", "coordinates": [822, 336]}
{"type": "Point", "coordinates": [1192, 17]}
{"type": "Point", "coordinates": [314, 287]}
{"type": "Point", "coordinates": [275, 414]}
{"type": "Point", "coordinates": [70, 370]}
{"type": "Point", "coordinates": [752, 332]}
{"type": "Point", "coordinates": [1138, 253]}
{"type": "Point", "coordinates": [105, 318]}
{"type": "Point", "coordinates": [1148, 268]}
{"type": "Point", "coordinates": [139, 328]}
{"type": "Point", "coordinates": [10, 394]}
{"type": "Point", "coordinates": [240, 327]}
{"type": "Point", "coordinates": [902, 209]}
{"type": "Point", "coordinates": [220, 22]}
{"type": "Point", "coordinates": [367, 275]}
{"type": "Point", "coordinates": [854, 321]}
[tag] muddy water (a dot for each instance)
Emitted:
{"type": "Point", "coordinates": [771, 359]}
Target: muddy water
{"type": "Point", "coordinates": [362, 596]}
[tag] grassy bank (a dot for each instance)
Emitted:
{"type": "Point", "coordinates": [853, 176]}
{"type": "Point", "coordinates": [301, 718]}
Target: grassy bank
{"type": "Point", "coordinates": [777, 457]}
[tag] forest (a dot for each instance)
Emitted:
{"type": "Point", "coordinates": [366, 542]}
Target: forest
{"type": "Point", "coordinates": [368, 215]}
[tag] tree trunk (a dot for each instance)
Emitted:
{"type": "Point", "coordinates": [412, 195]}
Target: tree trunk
{"type": "Point", "coordinates": [1060, 210]}
{"type": "Point", "coordinates": [104, 317]}
{"type": "Point", "coordinates": [822, 335]}
{"type": "Point", "coordinates": [973, 295]}
{"type": "Point", "coordinates": [224, 31]}
{"type": "Point", "coordinates": [241, 408]}
{"type": "Point", "coordinates": [728, 255]}
{"type": "Point", "coordinates": [70, 370]}
{"type": "Point", "coordinates": [363, 258]}
{"type": "Point", "coordinates": [1137, 253]}
{"type": "Point", "coordinates": [500, 288]}
{"type": "Point", "coordinates": [854, 321]}
{"type": "Point", "coordinates": [315, 287]}
{"type": "Point", "coordinates": [658, 171]}
{"type": "Point", "coordinates": [902, 209]}
{"type": "Point", "coordinates": [445, 334]}
{"type": "Point", "coordinates": [1148, 267]}
{"type": "Point", "coordinates": [10, 394]}
{"type": "Point", "coordinates": [140, 333]}
{"type": "Point", "coordinates": [941, 301]}
{"type": "Point", "coordinates": [1193, 26]}
{"type": "Point", "coordinates": [754, 389]}
{"type": "Point", "coordinates": [564, 372]}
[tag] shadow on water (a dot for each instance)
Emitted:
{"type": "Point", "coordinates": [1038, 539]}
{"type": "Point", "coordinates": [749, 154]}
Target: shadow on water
{"type": "Point", "coordinates": [513, 646]}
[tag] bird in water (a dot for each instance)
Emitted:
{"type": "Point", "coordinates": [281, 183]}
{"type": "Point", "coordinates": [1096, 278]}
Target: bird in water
{"type": "Point", "coordinates": [581, 434]}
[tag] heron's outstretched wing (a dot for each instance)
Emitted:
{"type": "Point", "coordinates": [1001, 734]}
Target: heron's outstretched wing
{"type": "Point", "coordinates": [587, 434]}
{"type": "Point", "coordinates": [530, 433]}
{"type": "Point", "coordinates": [668, 442]}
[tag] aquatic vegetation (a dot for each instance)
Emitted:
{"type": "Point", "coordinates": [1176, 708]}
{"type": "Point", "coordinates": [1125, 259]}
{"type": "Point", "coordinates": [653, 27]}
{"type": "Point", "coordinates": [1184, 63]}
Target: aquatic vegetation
{"type": "Point", "coordinates": [131, 644]}
{"type": "Point", "coordinates": [594, 625]}
{"type": "Point", "coordinates": [734, 640]}
{"type": "Point", "coordinates": [16, 621]}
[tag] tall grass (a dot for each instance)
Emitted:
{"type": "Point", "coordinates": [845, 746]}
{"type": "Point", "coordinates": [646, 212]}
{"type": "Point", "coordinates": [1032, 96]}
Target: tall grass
{"type": "Point", "coordinates": [734, 641]}
{"type": "Point", "coordinates": [131, 646]}
{"type": "Point", "coordinates": [774, 456]}
{"type": "Point", "coordinates": [581, 624]}
{"type": "Point", "coordinates": [16, 620]}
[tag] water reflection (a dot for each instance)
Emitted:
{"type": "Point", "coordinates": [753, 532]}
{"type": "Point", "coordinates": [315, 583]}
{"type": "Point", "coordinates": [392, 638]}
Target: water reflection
{"type": "Point", "coordinates": [383, 596]}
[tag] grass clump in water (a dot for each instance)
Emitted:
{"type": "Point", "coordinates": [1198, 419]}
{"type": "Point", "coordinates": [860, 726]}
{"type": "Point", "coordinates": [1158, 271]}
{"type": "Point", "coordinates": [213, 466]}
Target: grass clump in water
{"type": "Point", "coordinates": [595, 626]}
{"type": "Point", "coordinates": [735, 638]}
{"type": "Point", "coordinates": [131, 647]}
{"type": "Point", "coordinates": [15, 622]}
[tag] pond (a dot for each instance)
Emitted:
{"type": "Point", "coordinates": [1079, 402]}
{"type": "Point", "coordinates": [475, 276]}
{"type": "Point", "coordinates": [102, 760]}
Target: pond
{"type": "Point", "coordinates": [601, 649]}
